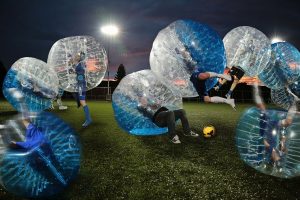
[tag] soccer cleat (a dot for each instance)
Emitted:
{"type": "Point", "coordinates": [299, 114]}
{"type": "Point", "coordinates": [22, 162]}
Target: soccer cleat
{"type": "Point", "coordinates": [225, 76]}
{"type": "Point", "coordinates": [216, 88]}
{"type": "Point", "coordinates": [231, 103]}
{"type": "Point", "coordinates": [86, 123]}
{"type": "Point", "coordinates": [63, 107]}
{"type": "Point", "coordinates": [192, 134]}
{"type": "Point", "coordinates": [175, 140]}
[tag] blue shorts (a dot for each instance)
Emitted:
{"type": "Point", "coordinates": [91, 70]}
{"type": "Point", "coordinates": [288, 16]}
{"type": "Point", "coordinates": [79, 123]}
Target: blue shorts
{"type": "Point", "coordinates": [199, 85]}
{"type": "Point", "coordinates": [81, 91]}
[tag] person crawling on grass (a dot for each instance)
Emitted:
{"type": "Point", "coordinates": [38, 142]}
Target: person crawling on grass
{"type": "Point", "coordinates": [199, 78]}
{"type": "Point", "coordinates": [163, 117]}
{"type": "Point", "coordinates": [273, 131]}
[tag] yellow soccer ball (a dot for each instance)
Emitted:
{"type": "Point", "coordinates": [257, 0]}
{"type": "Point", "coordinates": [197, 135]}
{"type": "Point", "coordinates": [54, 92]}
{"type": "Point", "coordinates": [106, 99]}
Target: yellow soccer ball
{"type": "Point", "coordinates": [209, 131]}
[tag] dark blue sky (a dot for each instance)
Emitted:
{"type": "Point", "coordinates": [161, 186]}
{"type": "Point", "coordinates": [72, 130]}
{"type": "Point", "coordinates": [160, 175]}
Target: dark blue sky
{"type": "Point", "coordinates": [30, 27]}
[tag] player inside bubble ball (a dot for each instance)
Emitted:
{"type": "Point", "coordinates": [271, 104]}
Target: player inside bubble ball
{"type": "Point", "coordinates": [163, 117]}
{"type": "Point", "coordinates": [273, 131]}
{"type": "Point", "coordinates": [199, 78]}
{"type": "Point", "coordinates": [80, 67]}
{"type": "Point", "coordinates": [41, 157]}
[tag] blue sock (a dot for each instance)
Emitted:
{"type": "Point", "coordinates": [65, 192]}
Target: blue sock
{"type": "Point", "coordinates": [87, 113]}
{"type": "Point", "coordinates": [229, 93]}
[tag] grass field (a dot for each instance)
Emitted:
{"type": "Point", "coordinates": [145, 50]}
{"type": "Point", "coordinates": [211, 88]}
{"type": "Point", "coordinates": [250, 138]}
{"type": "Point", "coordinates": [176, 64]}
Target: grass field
{"type": "Point", "coordinates": [116, 165]}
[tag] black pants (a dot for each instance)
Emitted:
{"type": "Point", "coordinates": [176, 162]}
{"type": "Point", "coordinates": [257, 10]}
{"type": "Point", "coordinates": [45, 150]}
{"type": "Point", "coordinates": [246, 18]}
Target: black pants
{"type": "Point", "coordinates": [168, 118]}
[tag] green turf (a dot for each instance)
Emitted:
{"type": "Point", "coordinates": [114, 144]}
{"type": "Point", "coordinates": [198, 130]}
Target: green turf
{"type": "Point", "coordinates": [116, 165]}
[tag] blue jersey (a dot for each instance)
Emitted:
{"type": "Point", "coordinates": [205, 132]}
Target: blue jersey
{"type": "Point", "coordinates": [199, 85]}
{"type": "Point", "coordinates": [34, 137]}
{"type": "Point", "coordinates": [80, 71]}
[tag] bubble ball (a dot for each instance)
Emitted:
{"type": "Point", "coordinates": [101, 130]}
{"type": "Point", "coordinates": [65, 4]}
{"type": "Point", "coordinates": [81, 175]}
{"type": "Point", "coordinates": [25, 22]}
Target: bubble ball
{"type": "Point", "coordinates": [182, 47]}
{"type": "Point", "coordinates": [136, 88]}
{"type": "Point", "coordinates": [46, 166]}
{"type": "Point", "coordinates": [267, 147]}
{"type": "Point", "coordinates": [288, 61]}
{"type": "Point", "coordinates": [247, 48]}
{"type": "Point", "coordinates": [92, 59]}
{"type": "Point", "coordinates": [282, 98]}
{"type": "Point", "coordinates": [37, 82]}
{"type": "Point", "coordinates": [271, 75]}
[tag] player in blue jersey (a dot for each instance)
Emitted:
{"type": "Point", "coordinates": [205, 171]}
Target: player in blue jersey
{"type": "Point", "coordinates": [273, 131]}
{"type": "Point", "coordinates": [80, 68]}
{"type": "Point", "coordinates": [199, 78]}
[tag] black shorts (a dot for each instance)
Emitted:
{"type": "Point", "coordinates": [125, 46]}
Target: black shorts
{"type": "Point", "coordinates": [162, 109]}
{"type": "Point", "coordinates": [236, 71]}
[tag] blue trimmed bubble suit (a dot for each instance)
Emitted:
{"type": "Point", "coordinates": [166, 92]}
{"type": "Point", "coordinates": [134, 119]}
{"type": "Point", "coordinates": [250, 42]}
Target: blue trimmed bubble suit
{"type": "Point", "coordinates": [37, 82]}
{"type": "Point", "coordinates": [182, 47]}
{"type": "Point", "coordinates": [41, 169]}
{"type": "Point", "coordinates": [284, 66]}
{"type": "Point", "coordinates": [267, 147]}
{"type": "Point", "coordinates": [247, 48]}
{"type": "Point", "coordinates": [134, 88]}
{"type": "Point", "coordinates": [90, 70]}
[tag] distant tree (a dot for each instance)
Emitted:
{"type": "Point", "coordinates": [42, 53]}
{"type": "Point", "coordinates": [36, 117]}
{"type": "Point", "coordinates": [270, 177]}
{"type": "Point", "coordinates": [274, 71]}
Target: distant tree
{"type": "Point", "coordinates": [2, 76]}
{"type": "Point", "coordinates": [121, 73]}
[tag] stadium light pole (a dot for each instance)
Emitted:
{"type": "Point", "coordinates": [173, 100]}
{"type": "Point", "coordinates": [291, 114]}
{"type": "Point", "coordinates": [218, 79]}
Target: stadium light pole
{"type": "Point", "coordinates": [110, 31]}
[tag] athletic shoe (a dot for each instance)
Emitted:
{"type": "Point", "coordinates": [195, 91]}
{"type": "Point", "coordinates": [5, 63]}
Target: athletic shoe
{"type": "Point", "coordinates": [232, 104]}
{"type": "Point", "coordinates": [63, 107]}
{"type": "Point", "coordinates": [86, 123]}
{"type": "Point", "coordinates": [175, 140]}
{"type": "Point", "coordinates": [192, 134]}
{"type": "Point", "coordinates": [225, 76]}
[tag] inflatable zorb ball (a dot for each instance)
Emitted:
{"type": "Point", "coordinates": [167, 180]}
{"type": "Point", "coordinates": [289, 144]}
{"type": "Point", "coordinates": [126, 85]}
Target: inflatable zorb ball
{"type": "Point", "coordinates": [247, 48]}
{"type": "Point", "coordinates": [37, 82]}
{"type": "Point", "coordinates": [62, 58]}
{"type": "Point", "coordinates": [181, 48]}
{"type": "Point", "coordinates": [284, 66]}
{"type": "Point", "coordinates": [48, 164]}
{"type": "Point", "coordinates": [140, 90]}
{"type": "Point", "coordinates": [271, 74]}
{"type": "Point", "coordinates": [267, 147]}
{"type": "Point", "coordinates": [282, 98]}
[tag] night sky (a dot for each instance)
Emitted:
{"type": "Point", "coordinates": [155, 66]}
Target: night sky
{"type": "Point", "coordinates": [30, 27]}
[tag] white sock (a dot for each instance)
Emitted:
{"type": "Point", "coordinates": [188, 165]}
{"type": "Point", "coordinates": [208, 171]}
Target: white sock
{"type": "Point", "coordinates": [256, 93]}
{"type": "Point", "coordinates": [212, 74]}
{"type": "Point", "coordinates": [59, 102]}
{"type": "Point", "coordinates": [217, 99]}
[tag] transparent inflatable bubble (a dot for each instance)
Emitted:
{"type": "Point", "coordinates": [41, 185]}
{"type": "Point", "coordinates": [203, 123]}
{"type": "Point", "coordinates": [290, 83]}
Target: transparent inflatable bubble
{"type": "Point", "coordinates": [78, 59]}
{"type": "Point", "coordinates": [267, 147]}
{"type": "Point", "coordinates": [271, 75]}
{"type": "Point", "coordinates": [138, 91]}
{"type": "Point", "coordinates": [248, 48]}
{"type": "Point", "coordinates": [182, 47]}
{"type": "Point", "coordinates": [288, 61]}
{"type": "Point", "coordinates": [44, 168]}
{"type": "Point", "coordinates": [282, 98]}
{"type": "Point", "coordinates": [37, 82]}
